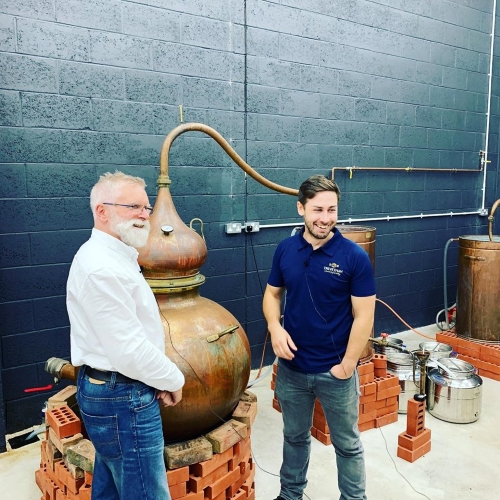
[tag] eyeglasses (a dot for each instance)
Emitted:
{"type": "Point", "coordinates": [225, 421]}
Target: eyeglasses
{"type": "Point", "coordinates": [135, 208]}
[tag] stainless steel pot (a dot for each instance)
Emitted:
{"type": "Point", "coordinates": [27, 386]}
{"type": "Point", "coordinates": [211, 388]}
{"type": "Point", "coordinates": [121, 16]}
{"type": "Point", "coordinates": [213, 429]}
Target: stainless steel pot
{"type": "Point", "coordinates": [437, 351]}
{"type": "Point", "coordinates": [385, 349]}
{"type": "Point", "coordinates": [401, 365]}
{"type": "Point", "coordinates": [455, 391]}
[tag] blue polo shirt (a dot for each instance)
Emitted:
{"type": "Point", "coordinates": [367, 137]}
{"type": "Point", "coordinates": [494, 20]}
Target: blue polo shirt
{"type": "Point", "coordinates": [319, 284]}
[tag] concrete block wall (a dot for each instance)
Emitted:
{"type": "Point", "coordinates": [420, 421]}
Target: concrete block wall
{"type": "Point", "coordinates": [296, 87]}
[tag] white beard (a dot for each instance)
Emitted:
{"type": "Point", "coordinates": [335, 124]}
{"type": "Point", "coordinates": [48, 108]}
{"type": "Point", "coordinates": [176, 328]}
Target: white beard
{"type": "Point", "coordinates": [133, 232]}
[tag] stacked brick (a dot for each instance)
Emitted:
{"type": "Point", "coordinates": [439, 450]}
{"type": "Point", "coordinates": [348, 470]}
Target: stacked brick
{"type": "Point", "coordinates": [416, 441]}
{"type": "Point", "coordinates": [378, 403]}
{"type": "Point", "coordinates": [484, 356]}
{"type": "Point", "coordinates": [67, 459]}
{"type": "Point", "coordinates": [217, 466]}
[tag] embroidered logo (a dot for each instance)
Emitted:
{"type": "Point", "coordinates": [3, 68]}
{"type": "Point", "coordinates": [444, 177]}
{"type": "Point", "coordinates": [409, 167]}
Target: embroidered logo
{"type": "Point", "coordinates": [333, 268]}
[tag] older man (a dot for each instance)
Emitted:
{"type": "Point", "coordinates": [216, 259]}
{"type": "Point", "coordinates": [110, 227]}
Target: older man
{"type": "Point", "coordinates": [117, 340]}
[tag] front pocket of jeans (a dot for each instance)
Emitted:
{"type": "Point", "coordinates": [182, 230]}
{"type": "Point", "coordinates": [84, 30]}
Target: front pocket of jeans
{"type": "Point", "coordinates": [103, 432]}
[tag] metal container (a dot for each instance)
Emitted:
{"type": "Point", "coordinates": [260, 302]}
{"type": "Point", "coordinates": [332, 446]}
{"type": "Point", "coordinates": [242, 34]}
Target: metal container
{"type": "Point", "coordinates": [437, 351]}
{"type": "Point", "coordinates": [401, 365]}
{"type": "Point", "coordinates": [478, 314]}
{"type": "Point", "coordinates": [364, 236]}
{"type": "Point", "coordinates": [455, 391]}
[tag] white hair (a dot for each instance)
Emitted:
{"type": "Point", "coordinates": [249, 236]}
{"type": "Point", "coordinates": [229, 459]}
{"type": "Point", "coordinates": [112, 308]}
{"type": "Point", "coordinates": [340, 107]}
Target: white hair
{"type": "Point", "coordinates": [107, 186]}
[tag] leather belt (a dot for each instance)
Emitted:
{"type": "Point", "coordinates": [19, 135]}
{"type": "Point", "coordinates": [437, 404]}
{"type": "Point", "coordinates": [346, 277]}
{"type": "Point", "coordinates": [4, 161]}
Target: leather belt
{"type": "Point", "coordinates": [105, 376]}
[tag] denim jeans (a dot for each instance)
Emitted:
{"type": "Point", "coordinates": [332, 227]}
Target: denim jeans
{"type": "Point", "coordinates": [124, 424]}
{"type": "Point", "coordinates": [296, 393]}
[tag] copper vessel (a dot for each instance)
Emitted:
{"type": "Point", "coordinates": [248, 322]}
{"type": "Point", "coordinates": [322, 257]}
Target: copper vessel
{"type": "Point", "coordinates": [365, 238]}
{"type": "Point", "coordinates": [478, 311]}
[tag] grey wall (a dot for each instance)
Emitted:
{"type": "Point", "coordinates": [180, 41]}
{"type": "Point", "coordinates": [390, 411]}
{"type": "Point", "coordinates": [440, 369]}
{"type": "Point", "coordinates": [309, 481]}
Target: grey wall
{"type": "Point", "coordinates": [297, 88]}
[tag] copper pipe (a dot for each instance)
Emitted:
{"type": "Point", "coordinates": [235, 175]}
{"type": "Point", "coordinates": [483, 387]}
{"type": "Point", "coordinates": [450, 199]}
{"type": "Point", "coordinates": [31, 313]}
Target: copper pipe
{"type": "Point", "coordinates": [405, 169]}
{"type": "Point", "coordinates": [200, 127]}
{"type": "Point", "coordinates": [491, 217]}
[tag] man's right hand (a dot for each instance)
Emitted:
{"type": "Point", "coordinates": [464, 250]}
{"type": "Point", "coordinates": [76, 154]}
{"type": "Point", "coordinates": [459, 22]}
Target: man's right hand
{"type": "Point", "coordinates": [167, 398]}
{"type": "Point", "coordinates": [282, 343]}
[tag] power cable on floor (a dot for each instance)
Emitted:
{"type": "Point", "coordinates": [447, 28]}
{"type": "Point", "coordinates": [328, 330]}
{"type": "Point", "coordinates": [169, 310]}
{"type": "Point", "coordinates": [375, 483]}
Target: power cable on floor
{"type": "Point", "coordinates": [396, 467]}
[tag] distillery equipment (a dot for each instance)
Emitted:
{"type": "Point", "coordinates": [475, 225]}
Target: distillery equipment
{"type": "Point", "coordinates": [365, 238]}
{"type": "Point", "coordinates": [401, 365]}
{"type": "Point", "coordinates": [455, 391]}
{"type": "Point", "coordinates": [478, 314]}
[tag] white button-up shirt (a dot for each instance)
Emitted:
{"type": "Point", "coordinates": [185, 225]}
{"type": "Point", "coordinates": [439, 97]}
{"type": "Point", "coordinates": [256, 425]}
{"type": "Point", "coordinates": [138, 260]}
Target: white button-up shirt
{"type": "Point", "coordinates": [114, 317]}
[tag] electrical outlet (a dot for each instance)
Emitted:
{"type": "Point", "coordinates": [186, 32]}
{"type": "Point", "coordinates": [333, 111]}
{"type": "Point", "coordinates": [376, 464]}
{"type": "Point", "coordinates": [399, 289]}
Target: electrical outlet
{"type": "Point", "coordinates": [251, 227]}
{"type": "Point", "coordinates": [233, 228]}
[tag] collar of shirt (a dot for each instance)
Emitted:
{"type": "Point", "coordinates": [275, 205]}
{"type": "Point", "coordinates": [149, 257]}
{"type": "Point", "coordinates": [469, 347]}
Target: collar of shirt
{"type": "Point", "coordinates": [115, 244]}
{"type": "Point", "coordinates": [328, 248]}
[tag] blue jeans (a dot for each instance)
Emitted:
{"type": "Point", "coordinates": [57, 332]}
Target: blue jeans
{"type": "Point", "coordinates": [296, 393]}
{"type": "Point", "coordinates": [124, 424]}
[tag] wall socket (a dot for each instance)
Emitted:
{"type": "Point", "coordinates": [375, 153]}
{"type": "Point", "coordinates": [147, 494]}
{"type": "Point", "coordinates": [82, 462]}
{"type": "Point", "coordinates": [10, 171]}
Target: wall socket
{"type": "Point", "coordinates": [251, 227]}
{"type": "Point", "coordinates": [233, 228]}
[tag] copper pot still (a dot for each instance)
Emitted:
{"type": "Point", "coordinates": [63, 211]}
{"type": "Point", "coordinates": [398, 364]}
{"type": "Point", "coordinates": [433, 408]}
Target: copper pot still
{"type": "Point", "coordinates": [205, 340]}
{"type": "Point", "coordinates": [365, 238]}
{"type": "Point", "coordinates": [478, 313]}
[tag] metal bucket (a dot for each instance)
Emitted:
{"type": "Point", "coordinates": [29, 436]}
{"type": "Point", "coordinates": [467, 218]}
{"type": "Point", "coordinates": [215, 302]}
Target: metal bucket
{"type": "Point", "coordinates": [437, 351]}
{"type": "Point", "coordinates": [455, 391]}
{"type": "Point", "coordinates": [401, 365]}
{"type": "Point", "coordinates": [364, 236]}
{"type": "Point", "coordinates": [478, 314]}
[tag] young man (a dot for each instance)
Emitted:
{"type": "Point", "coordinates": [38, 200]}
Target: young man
{"type": "Point", "coordinates": [328, 318]}
{"type": "Point", "coordinates": [117, 340]}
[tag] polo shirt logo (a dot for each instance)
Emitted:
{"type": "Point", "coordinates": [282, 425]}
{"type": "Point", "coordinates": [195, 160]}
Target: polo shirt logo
{"type": "Point", "coordinates": [333, 268]}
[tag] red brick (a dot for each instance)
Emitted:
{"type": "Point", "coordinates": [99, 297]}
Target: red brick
{"type": "Point", "coordinates": [368, 399]}
{"type": "Point", "coordinates": [367, 378]}
{"type": "Point", "coordinates": [379, 361]}
{"type": "Point", "coordinates": [411, 443]}
{"type": "Point", "coordinates": [318, 409]}
{"type": "Point", "coordinates": [490, 353]}
{"type": "Point", "coordinates": [487, 374]}
{"type": "Point", "coordinates": [390, 418]}
{"type": "Point", "coordinates": [365, 368]}
{"type": "Point", "coordinates": [242, 451]}
{"type": "Point", "coordinates": [197, 484]}
{"type": "Point", "coordinates": [411, 456]}
{"type": "Point", "coordinates": [380, 372]}
{"type": "Point", "coordinates": [370, 388]}
{"type": "Point", "coordinates": [447, 338]}
{"type": "Point", "coordinates": [323, 437]}
{"type": "Point", "coordinates": [63, 421]}
{"type": "Point", "coordinates": [366, 417]}
{"type": "Point", "coordinates": [85, 492]}
{"type": "Point", "coordinates": [61, 496]}
{"type": "Point", "coordinates": [415, 417]}
{"type": "Point", "coordinates": [387, 409]}
{"type": "Point", "coordinates": [472, 348]}
{"type": "Point", "coordinates": [389, 393]}
{"type": "Point", "coordinates": [219, 486]}
{"type": "Point", "coordinates": [387, 382]}
{"type": "Point", "coordinates": [366, 425]}
{"type": "Point", "coordinates": [62, 473]}
{"type": "Point", "coordinates": [239, 495]}
{"type": "Point", "coordinates": [40, 475]}
{"type": "Point", "coordinates": [320, 424]}
{"type": "Point", "coordinates": [87, 478]}
{"type": "Point", "coordinates": [178, 490]}
{"type": "Point", "coordinates": [177, 476]}
{"type": "Point", "coordinates": [194, 496]}
{"type": "Point", "coordinates": [276, 405]}
{"type": "Point", "coordinates": [245, 469]}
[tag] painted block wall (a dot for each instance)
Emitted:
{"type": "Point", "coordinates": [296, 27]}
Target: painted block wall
{"type": "Point", "coordinates": [296, 87]}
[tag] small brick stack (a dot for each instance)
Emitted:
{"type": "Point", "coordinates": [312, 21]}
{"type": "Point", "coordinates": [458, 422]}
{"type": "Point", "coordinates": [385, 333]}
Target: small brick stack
{"type": "Point", "coordinates": [226, 471]}
{"type": "Point", "coordinates": [378, 403]}
{"type": "Point", "coordinates": [484, 356]}
{"type": "Point", "coordinates": [64, 451]}
{"type": "Point", "coordinates": [416, 441]}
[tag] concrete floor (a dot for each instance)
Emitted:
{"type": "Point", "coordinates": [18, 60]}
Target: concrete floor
{"type": "Point", "coordinates": [462, 465]}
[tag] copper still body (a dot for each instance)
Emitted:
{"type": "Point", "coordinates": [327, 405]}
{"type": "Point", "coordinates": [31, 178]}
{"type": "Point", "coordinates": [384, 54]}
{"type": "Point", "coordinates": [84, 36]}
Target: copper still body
{"type": "Point", "coordinates": [478, 311]}
{"type": "Point", "coordinates": [365, 238]}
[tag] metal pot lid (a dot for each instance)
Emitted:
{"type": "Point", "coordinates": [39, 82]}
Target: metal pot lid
{"type": "Point", "coordinates": [455, 368]}
{"type": "Point", "coordinates": [400, 358]}
{"type": "Point", "coordinates": [435, 347]}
